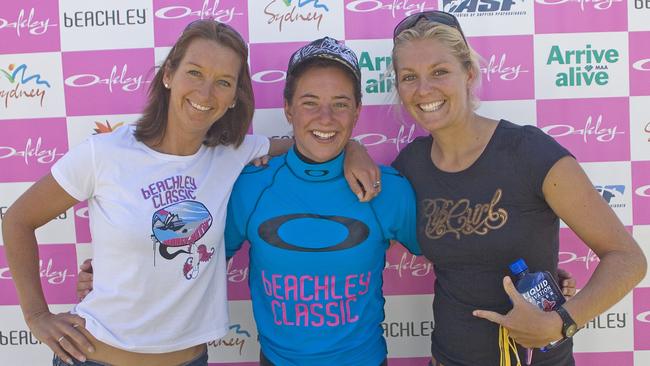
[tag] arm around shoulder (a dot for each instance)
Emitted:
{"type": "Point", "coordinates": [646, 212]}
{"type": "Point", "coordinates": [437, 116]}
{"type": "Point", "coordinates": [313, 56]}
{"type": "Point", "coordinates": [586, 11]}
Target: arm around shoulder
{"type": "Point", "coordinates": [571, 195]}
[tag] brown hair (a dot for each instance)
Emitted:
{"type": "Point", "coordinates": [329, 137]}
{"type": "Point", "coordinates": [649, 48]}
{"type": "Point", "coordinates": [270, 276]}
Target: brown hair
{"type": "Point", "coordinates": [450, 37]}
{"type": "Point", "coordinates": [232, 127]}
{"type": "Point", "coordinates": [319, 63]}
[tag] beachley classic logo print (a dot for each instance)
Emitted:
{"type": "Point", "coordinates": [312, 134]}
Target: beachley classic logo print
{"type": "Point", "coordinates": [584, 67]}
{"type": "Point", "coordinates": [24, 84]}
{"type": "Point", "coordinates": [180, 224]}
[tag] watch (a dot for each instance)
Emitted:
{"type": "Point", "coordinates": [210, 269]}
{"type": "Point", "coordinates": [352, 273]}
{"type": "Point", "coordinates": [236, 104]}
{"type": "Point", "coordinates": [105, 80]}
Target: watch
{"type": "Point", "coordinates": [569, 326]}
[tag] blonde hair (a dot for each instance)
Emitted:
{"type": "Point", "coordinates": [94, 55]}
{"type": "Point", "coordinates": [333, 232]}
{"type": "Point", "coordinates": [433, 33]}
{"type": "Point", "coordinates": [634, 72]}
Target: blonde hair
{"type": "Point", "coordinates": [450, 37]}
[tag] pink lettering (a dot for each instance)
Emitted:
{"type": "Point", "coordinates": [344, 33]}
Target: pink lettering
{"type": "Point", "coordinates": [276, 319]}
{"type": "Point", "coordinates": [304, 297]}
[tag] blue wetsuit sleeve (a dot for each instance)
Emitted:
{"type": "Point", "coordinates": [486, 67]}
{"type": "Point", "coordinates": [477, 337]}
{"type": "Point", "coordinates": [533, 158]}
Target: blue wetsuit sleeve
{"type": "Point", "coordinates": [235, 232]}
{"type": "Point", "coordinates": [397, 210]}
{"type": "Point", "coordinates": [405, 231]}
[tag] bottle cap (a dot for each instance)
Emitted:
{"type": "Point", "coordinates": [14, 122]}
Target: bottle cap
{"type": "Point", "coordinates": [518, 266]}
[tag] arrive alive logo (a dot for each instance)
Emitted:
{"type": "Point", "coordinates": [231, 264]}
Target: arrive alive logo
{"type": "Point", "coordinates": [584, 65]}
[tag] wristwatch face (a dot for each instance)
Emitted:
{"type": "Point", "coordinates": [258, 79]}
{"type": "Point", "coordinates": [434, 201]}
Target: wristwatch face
{"type": "Point", "coordinates": [570, 330]}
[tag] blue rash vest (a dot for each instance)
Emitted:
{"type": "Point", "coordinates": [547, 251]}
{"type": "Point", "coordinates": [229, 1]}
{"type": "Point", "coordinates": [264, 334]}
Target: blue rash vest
{"type": "Point", "coordinates": [316, 258]}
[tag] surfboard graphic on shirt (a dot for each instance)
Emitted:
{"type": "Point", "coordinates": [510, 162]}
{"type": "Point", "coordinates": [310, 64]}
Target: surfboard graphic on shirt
{"type": "Point", "coordinates": [177, 228]}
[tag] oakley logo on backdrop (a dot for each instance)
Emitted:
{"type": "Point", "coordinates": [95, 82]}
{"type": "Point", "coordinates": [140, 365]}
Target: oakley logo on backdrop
{"type": "Point", "coordinates": [209, 10]}
{"type": "Point", "coordinates": [398, 8]}
{"type": "Point", "coordinates": [27, 22]}
{"type": "Point", "coordinates": [501, 69]}
{"type": "Point", "coordinates": [597, 4]}
{"type": "Point", "coordinates": [590, 129]}
{"type": "Point", "coordinates": [127, 83]}
{"type": "Point", "coordinates": [32, 150]}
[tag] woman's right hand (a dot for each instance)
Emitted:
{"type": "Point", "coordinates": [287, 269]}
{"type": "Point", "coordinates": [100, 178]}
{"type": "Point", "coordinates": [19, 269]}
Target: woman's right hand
{"type": "Point", "coordinates": [60, 333]}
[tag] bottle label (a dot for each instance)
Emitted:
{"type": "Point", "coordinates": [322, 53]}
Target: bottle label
{"type": "Point", "coordinates": [542, 295]}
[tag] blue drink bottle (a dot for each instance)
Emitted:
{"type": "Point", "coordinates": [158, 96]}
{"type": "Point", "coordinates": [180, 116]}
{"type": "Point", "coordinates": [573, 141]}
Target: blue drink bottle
{"type": "Point", "coordinates": [540, 289]}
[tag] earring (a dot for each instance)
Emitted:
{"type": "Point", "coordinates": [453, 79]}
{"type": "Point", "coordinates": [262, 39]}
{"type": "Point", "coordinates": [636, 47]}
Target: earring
{"type": "Point", "coordinates": [166, 85]}
{"type": "Point", "coordinates": [232, 105]}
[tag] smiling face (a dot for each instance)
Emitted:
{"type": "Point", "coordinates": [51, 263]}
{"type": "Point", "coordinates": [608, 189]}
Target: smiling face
{"type": "Point", "coordinates": [432, 84]}
{"type": "Point", "coordinates": [323, 112]}
{"type": "Point", "coordinates": [202, 88]}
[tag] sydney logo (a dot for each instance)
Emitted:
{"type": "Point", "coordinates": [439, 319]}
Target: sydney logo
{"type": "Point", "coordinates": [24, 85]}
{"type": "Point", "coordinates": [295, 11]}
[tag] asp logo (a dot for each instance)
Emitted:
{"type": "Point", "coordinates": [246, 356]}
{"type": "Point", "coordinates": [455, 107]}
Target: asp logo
{"type": "Point", "coordinates": [611, 194]}
{"type": "Point", "coordinates": [477, 7]}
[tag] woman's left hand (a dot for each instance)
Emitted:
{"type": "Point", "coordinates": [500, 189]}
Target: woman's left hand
{"type": "Point", "coordinates": [527, 324]}
{"type": "Point", "coordinates": [361, 172]}
{"type": "Point", "coordinates": [567, 283]}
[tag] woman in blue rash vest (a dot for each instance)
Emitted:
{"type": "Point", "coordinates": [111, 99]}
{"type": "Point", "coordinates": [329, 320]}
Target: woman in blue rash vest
{"type": "Point", "coordinates": [490, 192]}
{"type": "Point", "coordinates": [317, 254]}
{"type": "Point", "coordinates": [160, 187]}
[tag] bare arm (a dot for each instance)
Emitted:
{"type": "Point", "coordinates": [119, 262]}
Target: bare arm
{"type": "Point", "coordinates": [37, 206]}
{"type": "Point", "coordinates": [572, 197]}
{"type": "Point", "coordinates": [279, 146]}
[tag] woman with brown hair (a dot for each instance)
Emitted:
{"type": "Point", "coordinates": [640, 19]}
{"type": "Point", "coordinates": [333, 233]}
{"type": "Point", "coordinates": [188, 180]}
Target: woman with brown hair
{"type": "Point", "coordinates": [157, 195]}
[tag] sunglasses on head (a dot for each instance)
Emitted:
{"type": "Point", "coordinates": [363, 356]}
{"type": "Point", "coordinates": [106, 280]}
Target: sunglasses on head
{"type": "Point", "coordinates": [437, 16]}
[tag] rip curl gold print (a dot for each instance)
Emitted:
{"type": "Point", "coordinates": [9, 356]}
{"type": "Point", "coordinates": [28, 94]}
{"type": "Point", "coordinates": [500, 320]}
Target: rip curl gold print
{"type": "Point", "coordinates": [445, 216]}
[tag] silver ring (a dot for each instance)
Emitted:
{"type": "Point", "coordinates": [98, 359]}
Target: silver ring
{"type": "Point", "coordinates": [60, 339]}
{"type": "Point", "coordinates": [376, 184]}
{"type": "Point", "coordinates": [75, 325]}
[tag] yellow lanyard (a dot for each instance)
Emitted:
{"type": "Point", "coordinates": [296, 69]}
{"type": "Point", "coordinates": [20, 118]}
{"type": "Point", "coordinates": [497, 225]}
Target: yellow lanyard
{"type": "Point", "coordinates": [506, 345]}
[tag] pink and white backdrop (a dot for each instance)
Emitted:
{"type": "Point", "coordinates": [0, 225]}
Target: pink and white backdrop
{"type": "Point", "coordinates": [578, 69]}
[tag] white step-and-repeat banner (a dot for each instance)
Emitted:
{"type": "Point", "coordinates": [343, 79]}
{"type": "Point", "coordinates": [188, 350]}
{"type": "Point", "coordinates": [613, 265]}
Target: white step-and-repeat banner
{"type": "Point", "coordinates": [578, 69]}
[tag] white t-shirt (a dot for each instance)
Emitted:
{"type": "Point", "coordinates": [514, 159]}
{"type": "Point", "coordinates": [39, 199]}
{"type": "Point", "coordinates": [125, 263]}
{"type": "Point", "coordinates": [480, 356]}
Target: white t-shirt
{"type": "Point", "coordinates": [157, 224]}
